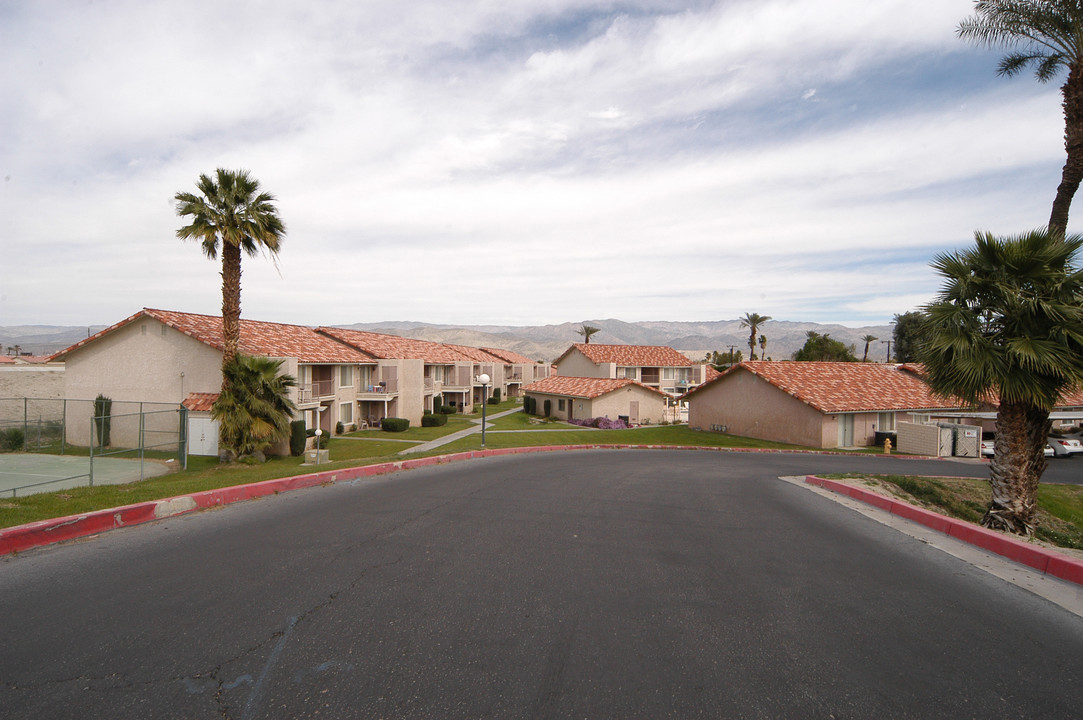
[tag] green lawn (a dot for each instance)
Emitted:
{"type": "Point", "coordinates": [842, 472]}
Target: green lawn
{"type": "Point", "coordinates": [1060, 507]}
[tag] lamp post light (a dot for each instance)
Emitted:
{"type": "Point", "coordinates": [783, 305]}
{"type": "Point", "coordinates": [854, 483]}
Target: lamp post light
{"type": "Point", "coordinates": [484, 380]}
{"type": "Point", "coordinates": [319, 432]}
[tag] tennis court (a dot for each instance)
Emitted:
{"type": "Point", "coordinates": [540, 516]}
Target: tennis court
{"type": "Point", "coordinates": [28, 473]}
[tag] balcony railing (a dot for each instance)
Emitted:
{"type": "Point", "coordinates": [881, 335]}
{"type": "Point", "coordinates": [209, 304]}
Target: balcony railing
{"type": "Point", "coordinates": [311, 392]}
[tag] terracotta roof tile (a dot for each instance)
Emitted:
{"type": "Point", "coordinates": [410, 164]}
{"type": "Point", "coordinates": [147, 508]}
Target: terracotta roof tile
{"type": "Point", "coordinates": [394, 347]}
{"type": "Point", "coordinates": [632, 355]}
{"type": "Point", "coordinates": [200, 402]}
{"type": "Point", "coordinates": [257, 338]}
{"type": "Point", "coordinates": [589, 388]}
{"type": "Point", "coordinates": [845, 387]}
{"type": "Point", "coordinates": [508, 356]}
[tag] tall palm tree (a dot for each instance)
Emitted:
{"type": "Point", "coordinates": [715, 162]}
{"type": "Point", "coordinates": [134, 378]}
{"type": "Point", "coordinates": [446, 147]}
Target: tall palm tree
{"type": "Point", "coordinates": [868, 339]}
{"type": "Point", "coordinates": [752, 321]}
{"type": "Point", "coordinates": [1007, 325]}
{"type": "Point", "coordinates": [254, 408]}
{"type": "Point", "coordinates": [1047, 34]}
{"type": "Point", "coordinates": [232, 212]}
{"type": "Point", "coordinates": [587, 331]}
{"type": "Point", "coordinates": [763, 347]}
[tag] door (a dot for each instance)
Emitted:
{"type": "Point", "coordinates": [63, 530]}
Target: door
{"type": "Point", "coordinates": [846, 430]}
{"type": "Point", "coordinates": [202, 436]}
{"type": "Point", "coordinates": [633, 412]}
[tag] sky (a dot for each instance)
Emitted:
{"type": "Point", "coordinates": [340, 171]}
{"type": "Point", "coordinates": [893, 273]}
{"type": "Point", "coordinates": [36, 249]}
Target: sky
{"type": "Point", "coordinates": [488, 162]}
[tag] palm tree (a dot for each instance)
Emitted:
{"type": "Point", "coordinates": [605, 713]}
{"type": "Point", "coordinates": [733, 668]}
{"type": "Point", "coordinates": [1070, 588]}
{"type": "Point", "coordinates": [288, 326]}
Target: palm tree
{"type": "Point", "coordinates": [1049, 35]}
{"type": "Point", "coordinates": [868, 339]}
{"type": "Point", "coordinates": [586, 331]}
{"type": "Point", "coordinates": [232, 212]}
{"type": "Point", "coordinates": [1008, 325]}
{"type": "Point", "coordinates": [763, 347]}
{"type": "Point", "coordinates": [254, 408]}
{"type": "Point", "coordinates": [752, 321]}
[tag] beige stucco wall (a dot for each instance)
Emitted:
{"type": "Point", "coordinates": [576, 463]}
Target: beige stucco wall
{"type": "Point", "coordinates": [576, 364]}
{"type": "Point", "coordinates": [143, 365]}
{"type": "Point", "coordinates": [611, 405]}
{"type": "Point", "coordinates": [617, 403]}
{"type": "Point", "coordinates": [32, 381]}
{"type": "Point", "coordinates": [749, 406]}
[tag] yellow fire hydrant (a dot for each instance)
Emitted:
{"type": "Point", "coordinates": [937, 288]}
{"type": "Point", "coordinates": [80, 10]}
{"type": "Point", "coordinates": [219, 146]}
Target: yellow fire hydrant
{"type": "Point", "coordinates": [887, 446]}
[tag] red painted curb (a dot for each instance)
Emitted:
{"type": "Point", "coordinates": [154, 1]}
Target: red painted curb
{"type": "Point", "coordinates": [1042, 559]}
{"type": "Point", "coordinates": [47, 532]}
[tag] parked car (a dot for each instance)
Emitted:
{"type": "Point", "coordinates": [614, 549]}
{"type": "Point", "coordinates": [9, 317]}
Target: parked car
{"type": "Point", "coordinates": [987, 449]}
{"type": "Point", "coordinates": [1065, 446]}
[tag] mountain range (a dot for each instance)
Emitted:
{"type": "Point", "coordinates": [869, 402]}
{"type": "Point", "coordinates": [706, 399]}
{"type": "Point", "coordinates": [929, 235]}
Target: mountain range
{"type": "Point", "coordinates": [545, 342]}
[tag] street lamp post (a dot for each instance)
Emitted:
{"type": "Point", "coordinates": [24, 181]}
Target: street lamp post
{"type": "Point", "coordinates": [484, 380]}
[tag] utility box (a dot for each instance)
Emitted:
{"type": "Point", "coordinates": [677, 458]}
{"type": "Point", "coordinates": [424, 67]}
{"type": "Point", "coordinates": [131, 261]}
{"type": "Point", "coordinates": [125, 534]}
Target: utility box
{"type": "Point", "coordinates": [317, 457]}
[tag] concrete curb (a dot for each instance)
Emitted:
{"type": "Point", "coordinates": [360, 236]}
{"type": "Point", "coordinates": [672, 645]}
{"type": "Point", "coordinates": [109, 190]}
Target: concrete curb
{"type": "Point", "coordinates": [47, 532]}
{"type": "Point", "coordinates": [1047, 561]}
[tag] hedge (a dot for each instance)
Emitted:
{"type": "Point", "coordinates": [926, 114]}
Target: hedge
{"type": "Point", "coordinates": [395, 424]}
{"type": "Point", "coordinates": [430, 420]}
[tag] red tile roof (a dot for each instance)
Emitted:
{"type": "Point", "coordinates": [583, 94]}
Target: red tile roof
{"type": "Point", "coordinates": [832, 387]}
{"type": "Point", "coordinates": [257, 338]}
{"type": "Point", "coordinates": [393, 347]}
{"type": "Point", "coordinates": [200, 402]}
{"type": "Point", "coordinates": [589, 388]}
{"type": "Point", "coordinates": [508, 356]}
{"type": "Point", "coordinates": [631, 355]}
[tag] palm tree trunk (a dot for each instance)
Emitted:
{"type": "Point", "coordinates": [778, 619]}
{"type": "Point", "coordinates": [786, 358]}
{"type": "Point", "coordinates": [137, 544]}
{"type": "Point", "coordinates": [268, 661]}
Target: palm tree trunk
{"type": "Point", "coordinates": [1014, 476]}
{"type": "Point", "coordinates": [1072, 174]}
{"type": "Point", "coordinates": [231, 302]}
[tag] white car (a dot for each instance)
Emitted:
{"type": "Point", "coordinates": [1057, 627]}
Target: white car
{"type": "Point", "coordinates": [1065, 446]}
{"type": "Point", "coordinates": [987, 449]}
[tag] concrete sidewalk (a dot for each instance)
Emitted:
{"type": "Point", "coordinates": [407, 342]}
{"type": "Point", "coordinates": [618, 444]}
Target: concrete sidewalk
{"type": "Point", "coordinates": [438, 442]}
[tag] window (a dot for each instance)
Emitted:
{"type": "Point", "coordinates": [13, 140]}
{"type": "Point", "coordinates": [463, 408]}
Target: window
{"type": "Point", "coordinates": [667, 373]}
{"type": "Point", "coordinates": [345, 413]}
{"type": "Point", "coordinates": [627, 372]}
{"type": "Point", "coordinates": [345, 376]}
{"type": "Point", "coordinates": [365, 376]}
{"type": "Point", "coordinates": [885, 422]}
{"type": "Point", "coordinates": [560, 405]}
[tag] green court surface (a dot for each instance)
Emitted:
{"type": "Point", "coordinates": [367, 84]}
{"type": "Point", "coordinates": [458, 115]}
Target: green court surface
{"type": "Point", "coordinates": [27, 473]}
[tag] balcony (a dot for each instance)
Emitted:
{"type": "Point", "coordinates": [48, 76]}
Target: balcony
{"type": "Point", "coordinates": [314, 392]}
{"type": "Point", "coordinates": [382, 390]}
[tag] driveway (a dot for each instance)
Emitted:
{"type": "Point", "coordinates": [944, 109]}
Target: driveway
{"type": "Point", "coordinates": [582, 584]}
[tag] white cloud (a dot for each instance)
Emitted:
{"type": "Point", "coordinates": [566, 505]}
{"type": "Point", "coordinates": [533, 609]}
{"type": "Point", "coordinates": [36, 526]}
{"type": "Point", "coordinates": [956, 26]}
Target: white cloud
{"type": "Point", "coordinates": [524, 162]}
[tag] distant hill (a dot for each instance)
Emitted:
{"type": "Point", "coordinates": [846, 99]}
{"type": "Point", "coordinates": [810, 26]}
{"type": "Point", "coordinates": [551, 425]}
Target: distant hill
{"type": "Point", "coordinates": [695, 339]}
{"type": "Point", "coordinates": [543, 342]}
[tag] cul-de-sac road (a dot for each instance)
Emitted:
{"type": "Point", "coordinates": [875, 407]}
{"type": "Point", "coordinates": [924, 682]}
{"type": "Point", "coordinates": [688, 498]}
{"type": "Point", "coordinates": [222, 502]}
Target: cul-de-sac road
{"type": "Point", "coordinates": [587, 584]}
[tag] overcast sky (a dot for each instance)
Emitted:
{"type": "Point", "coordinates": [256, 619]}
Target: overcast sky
{"type": "Point", "coordinates": [512, 162]}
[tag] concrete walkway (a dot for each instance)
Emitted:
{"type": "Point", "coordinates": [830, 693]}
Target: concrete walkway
{"type": "Point", "coordinates": [446, 439]}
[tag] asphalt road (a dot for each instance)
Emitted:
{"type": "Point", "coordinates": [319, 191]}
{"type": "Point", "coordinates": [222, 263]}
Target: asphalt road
{"type": "Point", "coordinates": [591, 584]}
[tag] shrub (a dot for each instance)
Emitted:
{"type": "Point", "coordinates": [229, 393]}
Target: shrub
{"type": "Point", "coordinates": [339, 428]}
{"type": "Point", "coordinates": [12, 440]}
{"type": "Point", "coordinates": [602, 423]}
{"type": "Point", "coordinates": [448, 410]}
{"type": "Point", "coordinates": [496, 396]}
{"type": "Point", "coordinates": [297, 437]}
{"type": "Point", "coordinates": [548, 407]}
{"type": "Point", "coordinates": [102, 421]}
{"type": "Point", "coordinates": [325, 438]}
{"type": "Point", "coordinates": [530, 405]}
{"type": "Point", "coordinates": [395, 424]}
{"type": "Point", "coordinates": [431, 420]}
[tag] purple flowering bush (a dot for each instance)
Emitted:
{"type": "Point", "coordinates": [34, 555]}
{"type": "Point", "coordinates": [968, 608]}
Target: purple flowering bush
{"type": "Point", "coordinates": [602, 423]}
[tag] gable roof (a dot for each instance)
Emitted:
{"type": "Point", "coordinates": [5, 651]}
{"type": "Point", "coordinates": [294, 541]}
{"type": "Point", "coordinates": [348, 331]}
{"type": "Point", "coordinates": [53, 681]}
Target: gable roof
{"type": "Point", "coordinates": [508, 356]}
{"type": "Point", "coordinates": [257, 338]}
{"type": "Point", "coordinates": [631, 355]}
{"type": "Point", "coordinates": [834, 387]}
{"type": "Point", "coordinates": [393, 347]}
{"type": "Point", "coordinates": [582, 387]}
